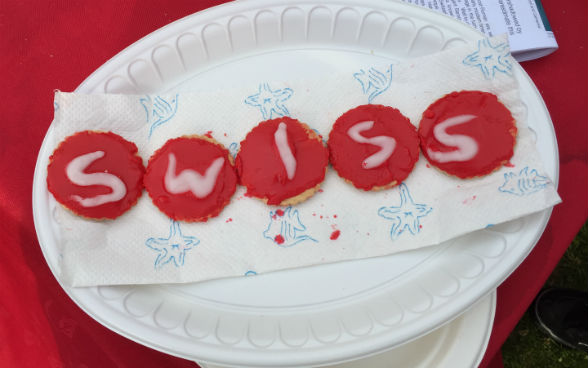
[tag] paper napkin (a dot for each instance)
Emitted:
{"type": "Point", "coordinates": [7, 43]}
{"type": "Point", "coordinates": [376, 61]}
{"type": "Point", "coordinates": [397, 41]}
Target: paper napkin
{"type": "Point", "coordinates": [340, 222]}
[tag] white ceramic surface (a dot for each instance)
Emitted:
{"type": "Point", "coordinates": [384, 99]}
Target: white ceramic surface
{"type": "Point", "coordinates": [315, 315]}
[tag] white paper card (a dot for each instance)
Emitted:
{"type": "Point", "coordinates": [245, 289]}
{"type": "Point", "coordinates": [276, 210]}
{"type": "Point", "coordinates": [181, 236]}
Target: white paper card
{"type": "Point", "coordinates": [529, 33]}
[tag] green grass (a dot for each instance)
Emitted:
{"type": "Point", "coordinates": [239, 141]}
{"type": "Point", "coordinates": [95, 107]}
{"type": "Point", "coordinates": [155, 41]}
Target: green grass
{"type": "Point", "coordinates": [527, 345]}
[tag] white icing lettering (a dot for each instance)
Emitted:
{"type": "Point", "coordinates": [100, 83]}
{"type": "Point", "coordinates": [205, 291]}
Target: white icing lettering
{"type": "Point", "coordinates": [467, 147]}
{"type": "Point", "coordinates": [281, 139]}
{"type": "Point", "coordinates": [75, 173]}
{"type": "Point", "coordinates": [386, 144]}
{"type": "Point", "coordinates": [190, 180]}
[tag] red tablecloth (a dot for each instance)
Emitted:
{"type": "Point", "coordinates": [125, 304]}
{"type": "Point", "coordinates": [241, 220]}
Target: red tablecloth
{"type": "Point", "coordinates": [47, 45]}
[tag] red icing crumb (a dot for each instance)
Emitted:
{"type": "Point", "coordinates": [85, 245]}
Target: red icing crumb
{"type": "Point", "coordinates": [320, 190]}
{"type": "Point", "coordinates": [279, 212]}
{"type": "Point", "coordinates": [335, 216]}
{"type": "Point", "coordinates": [335, 234]}
{"type": "Point", "coordinates": [208, 134]}
{"type": "Point", "coordinates": [225, 134]}
{"type": "Point", "coordinates": [347, 155]}
{"type": "Point", "coordinates": [468, 200]}
{"type": "Point", "coordinates": [428, 166]}
{"type": "Point", "coordinates": [509, 164]}
{"type": "Point", "coordinates": [279, 239]}
{"type": "Point", "coordinates": [420, 226]}
{"type": "Point", "coordinates": [229, 220]}
{"type": "Point", "coordinates": [429, 114]}
{"type": "Point", "coordinates": [493, 128]}
{"type": "Point", "coordinates": [321, 216]}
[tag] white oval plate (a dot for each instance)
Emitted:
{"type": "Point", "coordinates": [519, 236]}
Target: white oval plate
{"type": "Point", "coordinates": [460, 343]}
{"type": "Point", "coordinates": [315, 315]}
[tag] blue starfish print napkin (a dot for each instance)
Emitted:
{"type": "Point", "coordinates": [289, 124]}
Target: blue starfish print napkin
{"type": "Point", "coordinates": [339, 223]}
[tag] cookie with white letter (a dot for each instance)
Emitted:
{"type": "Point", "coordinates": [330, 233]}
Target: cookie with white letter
{"type": "Point", "coordinates": [467, 134]}
{"type": "Point", "coordinates": [373, 147]}
{"type": "Point", "coordinates": [96, 174]}
{"type": "Point", "coordinates": [282, 161]}
{"type": "Point", "coordinates": [191, 178]}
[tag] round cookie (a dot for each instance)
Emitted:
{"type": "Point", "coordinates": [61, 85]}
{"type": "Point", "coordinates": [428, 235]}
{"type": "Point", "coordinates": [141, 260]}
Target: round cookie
{"type": "Point", "coordinates": [95, 174]}
{"type": "Point", "coordinates": [191, 178]}
{"type": "Point", "coordinates": [282, 161]}
{"type": "Point", "coordinates": [373, 146]}
{"type": "Point", "coordinates": [467, 134]}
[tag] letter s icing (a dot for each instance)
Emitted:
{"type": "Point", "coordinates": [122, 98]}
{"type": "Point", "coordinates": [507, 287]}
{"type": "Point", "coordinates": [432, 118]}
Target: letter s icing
{"type": "Point", "coordinates": [467, 147]}
{"type": "Point", "coordinates": [386, 144]}
{"type": "Point", "coordinates": [75, 173]}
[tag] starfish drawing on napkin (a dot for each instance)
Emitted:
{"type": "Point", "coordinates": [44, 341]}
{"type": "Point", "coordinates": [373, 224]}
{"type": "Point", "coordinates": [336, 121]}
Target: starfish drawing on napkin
{"type": "Point", "coordinates": [524, 182]}
{"type": "Point", "coordinates": [159, 110]}
{"type": "Point", "coordinates": [490, 58]}
{"type": "Point", "coordinates": [234, 149]}
{"type": "Point", "coordinates": [173, 248]}
{"type": "Point", "coordinates": [270, 101]}
{"type": "Point", "coordinates": [406, 215]}
{"type": "Point", "coordinates": [285, 228]}
{"type": "Point", "coordinates": [374, 82]}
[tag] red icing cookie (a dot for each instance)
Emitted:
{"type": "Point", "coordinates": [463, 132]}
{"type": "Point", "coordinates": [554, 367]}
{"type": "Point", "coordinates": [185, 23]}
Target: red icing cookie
{"type": "Point", "coordinates": [373, 146]}
{"type": "Point", "coordinates": [282, 161]}
{"type": "Point", "coordinates": [191, 178]}
{"type": "Point", "coordinates": [467, 134]}
{"type": "Point", "coordinates": [96, 174]}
